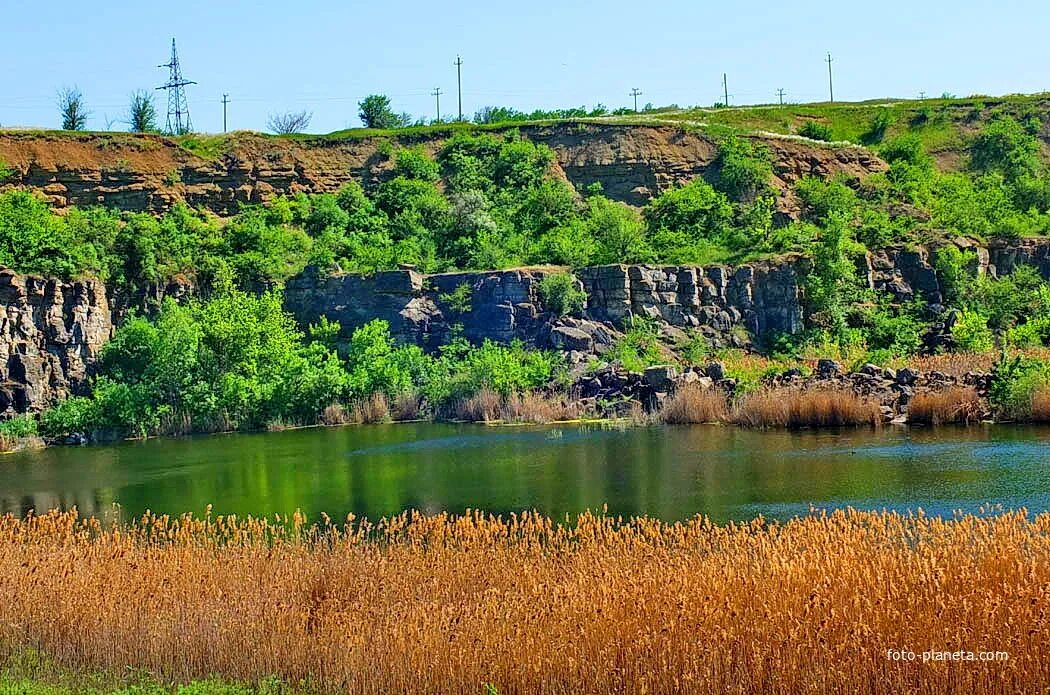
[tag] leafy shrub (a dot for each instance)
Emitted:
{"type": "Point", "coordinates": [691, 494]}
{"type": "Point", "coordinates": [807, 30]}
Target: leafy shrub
{"type": "Point", "coordinates": [953, 274]}
{"type": "Point", "coordinates": [415, 163]}
{"type": "Point", "coordinates": [638, 348]}
{"type": "Point", "coordinates": [815, 130]}
{"type": "Point", "coordinates": [881, 123]}
{"type": "Point", "coordinates": [459, 299]}
{"type": "Point", "coordinates": [18, 427]}
{"type": "Point", "coordinates": [1015, 381]}
{"type": "Point", "coordinates": [561, 294]}
{"type": "Point", "coordinates": [73, 415]}
{"type": "Point", "coordinates": [744, 168]}
{"type": "Point", "coordinates": [971, 333]}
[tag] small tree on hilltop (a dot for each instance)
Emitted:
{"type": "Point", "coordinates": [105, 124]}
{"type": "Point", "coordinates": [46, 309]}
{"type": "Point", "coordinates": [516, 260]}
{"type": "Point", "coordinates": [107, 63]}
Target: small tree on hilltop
{"type": "Point", "coordinates": [290, 122]}
{"type": "Point", "coordinates": [142, 113]}
{"type": "Point", "coordinates": [375, 112]}
{"type": "Point", "coordinates": [71, 106]}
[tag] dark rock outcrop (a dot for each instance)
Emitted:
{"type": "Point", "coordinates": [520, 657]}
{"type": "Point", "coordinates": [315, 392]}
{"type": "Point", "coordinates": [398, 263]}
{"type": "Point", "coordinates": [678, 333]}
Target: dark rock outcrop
{"type": "Point", "coordinates": [50, 336]}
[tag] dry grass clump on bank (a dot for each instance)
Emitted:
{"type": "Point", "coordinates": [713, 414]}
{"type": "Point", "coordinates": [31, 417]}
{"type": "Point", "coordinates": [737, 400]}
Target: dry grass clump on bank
{"type": "Point", "coordinates": [957, 404]}
{"type": "Point", "coordinates": [1041, 405]}
{"type": "Point", "coordinates": [530, 407]}
{"type": "Point", "coordinates": [447, 604]}
{"type": "Point", "coordinates": [796, 408]}
{"type": "Point", "coordinates": [538, 408]}
{"type": "Point", "coordinates": [371, 410]}
{"type": "Point", "coordinates": [692, 404]}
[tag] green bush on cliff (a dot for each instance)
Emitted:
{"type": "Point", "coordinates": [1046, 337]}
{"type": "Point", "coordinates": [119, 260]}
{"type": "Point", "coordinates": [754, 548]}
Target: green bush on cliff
{"type": "Point", "coordinates": [561, 294]}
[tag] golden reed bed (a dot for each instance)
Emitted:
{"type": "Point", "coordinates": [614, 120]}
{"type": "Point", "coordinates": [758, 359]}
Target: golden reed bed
{"type": "Point", "coordinates": [837, 603]}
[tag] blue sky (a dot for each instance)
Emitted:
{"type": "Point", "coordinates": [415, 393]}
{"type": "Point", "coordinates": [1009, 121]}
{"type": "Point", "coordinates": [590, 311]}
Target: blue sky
{"type": "Point", "coordinates": [325, 55]}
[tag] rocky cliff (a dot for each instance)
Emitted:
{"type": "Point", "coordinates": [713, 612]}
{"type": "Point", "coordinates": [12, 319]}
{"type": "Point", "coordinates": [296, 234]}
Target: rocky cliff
{"type": "Point", "coordinates": [726, 306]}
{"type": "Point", "coordinates": [219, 173]}
{"type": "Point", "coordinates": [50, 336]}
{"type": "Point", "coordinates": [51, 332]}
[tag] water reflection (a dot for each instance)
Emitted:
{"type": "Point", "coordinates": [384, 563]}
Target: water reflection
{"type": "Point", "coordinates": [672, 473]}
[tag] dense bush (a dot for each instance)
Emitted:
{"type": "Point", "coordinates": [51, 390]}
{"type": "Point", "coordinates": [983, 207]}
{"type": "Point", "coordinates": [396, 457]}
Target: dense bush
{"type": "Point", "coordinates": [815, 130]}
{"type": "Point", "coordinates": [561, 294]}
{"type": "Point", "coordinates": [1015, 383]}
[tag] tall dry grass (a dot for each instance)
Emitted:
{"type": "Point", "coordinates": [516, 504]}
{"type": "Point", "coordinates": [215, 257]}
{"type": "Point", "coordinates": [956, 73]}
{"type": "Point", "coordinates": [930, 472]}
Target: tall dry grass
{"type": "Point", "coordinates": [692, 404]}
{"type": "Point", "coordinates": [370, 410]}
{"type": "Point", "coordinates": [446, 604]}
{"type": "Point", "coordinates": [488, 406]}
{"type": "Point", "coordinates": [957, 404]}
{"type": "Point", "coordinates": [797, 408]}
{"type": "Point", "coordinates": [1041, 405]}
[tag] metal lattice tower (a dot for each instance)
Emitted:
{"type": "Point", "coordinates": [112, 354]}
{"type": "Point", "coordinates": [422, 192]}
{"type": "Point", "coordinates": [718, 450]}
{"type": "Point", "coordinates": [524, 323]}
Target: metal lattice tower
{"type": "Point", "coordinates": [178, 110]}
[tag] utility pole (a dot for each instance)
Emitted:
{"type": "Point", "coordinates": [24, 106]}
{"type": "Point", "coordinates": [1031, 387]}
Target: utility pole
{"type": "Point", "coordinates": [780, 93]}
{"type": "Point", "coordinates": [922, 96]}
{"type": "Point", "coordinates": [437, 95]}
{"type": "Point", "coordinates": [459, 84]}
{"type": "Point", "coordinates": [225, 101]}
{"type": "Point", "coordinates": [831, 85]}
{"type": "Point", "coordinates": [178, 109]}
{"type": "Point", "coordinates": [725, 88]}
{"type": "Point", "coordinates": [635, 92]}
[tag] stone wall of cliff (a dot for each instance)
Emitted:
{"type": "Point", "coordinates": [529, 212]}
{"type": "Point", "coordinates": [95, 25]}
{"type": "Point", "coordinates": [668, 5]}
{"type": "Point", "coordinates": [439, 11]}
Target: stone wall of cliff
{"type": "Point", "coordinates": [50, 336]}
{"type": "Point", "coordinates": [51, 332]}
{"type": "Point", "coordinates": [151, 172]}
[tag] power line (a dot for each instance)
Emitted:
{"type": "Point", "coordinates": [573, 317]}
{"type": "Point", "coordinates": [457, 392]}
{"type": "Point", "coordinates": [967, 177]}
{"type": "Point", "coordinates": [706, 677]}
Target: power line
{"type": "Point", "coordinates": [635, 92]}
{"type": "Point", "coordinates": [178, 109]}
{"type": "Point", "coordinates": [437, 95]}
{"type": "Point", "coordinates": [225, 100]}
{"type": "Point", "coordinates": [831, 85]}
{"type": "Point", "coordinates": [459, 84]}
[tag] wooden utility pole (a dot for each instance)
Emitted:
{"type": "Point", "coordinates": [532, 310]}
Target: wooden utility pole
{"type": "Point", "coordinates": [725, 88]}
{"type": "Point", "coordinates": [831, 84]}
{"type": "Point", "coordinates": [780, 93]}
{"type": "Point", "coordinates": [437, 95]}
{"type": "Point", "coordinates": [225, 101]}
{"type": "Point", "coordinates": [635, 92]}
{"type": "Point", "coordinates": [459, 84]}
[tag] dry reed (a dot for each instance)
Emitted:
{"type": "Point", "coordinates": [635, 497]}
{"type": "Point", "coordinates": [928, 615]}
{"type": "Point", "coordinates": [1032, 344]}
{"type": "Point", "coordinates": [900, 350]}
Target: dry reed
{"type": "Point", "coordinates": [1041, 405]}
{"type": "Point", "coordinates": [538, 408]}
{"type": "Point", "coordinates": [406, 406]}
{"type": "Point", "coordinates": [795, 408]}
{"type": "Point", "coordinates": [447, 604]}
{"type": "Point", "coordinates": [692, 404]}
{"type": "Point", "coordinates": [370, 410]}
{"type": "Point", "coordinates": [957, 404]}
{"type": "Point", "coordinates": [484, 406]}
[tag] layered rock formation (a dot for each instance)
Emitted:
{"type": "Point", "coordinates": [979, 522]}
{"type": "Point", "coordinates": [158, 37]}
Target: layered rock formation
{"type": "Point", "coordinates": [50, 336]}
{"type": "Point", "coordinates": [51, 331]}
{"type": "Point", "coordinates": [728, 306]}
{"type": "Point", "coordinates": [151, 172]}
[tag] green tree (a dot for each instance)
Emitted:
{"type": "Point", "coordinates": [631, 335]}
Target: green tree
{"type": "Point", "coordinates": [142, 113]}
{"type": "Point", "coordinates": [744, 168]}
{"type": "Point", "coordinates": [71, 107]}
{"type": "Point", "coordinates": [375, 112]}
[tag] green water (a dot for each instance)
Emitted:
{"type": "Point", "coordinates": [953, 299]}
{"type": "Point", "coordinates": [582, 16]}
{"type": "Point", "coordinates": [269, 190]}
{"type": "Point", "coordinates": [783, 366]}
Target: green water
{"type": "Point", "coordinates": [671, 473]}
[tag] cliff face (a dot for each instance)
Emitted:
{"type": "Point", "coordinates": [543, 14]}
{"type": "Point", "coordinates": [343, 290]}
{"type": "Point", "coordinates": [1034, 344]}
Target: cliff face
{"type": "Point", "coordinates": [151, 172]}
{"type": "Point", "coordinates": [51, 332]}
{"type": "Point", "coordinates": [50, 336]}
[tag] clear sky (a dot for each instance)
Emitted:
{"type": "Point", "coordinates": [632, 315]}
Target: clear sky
{"type": "Point", "coordinates": [325, 55]}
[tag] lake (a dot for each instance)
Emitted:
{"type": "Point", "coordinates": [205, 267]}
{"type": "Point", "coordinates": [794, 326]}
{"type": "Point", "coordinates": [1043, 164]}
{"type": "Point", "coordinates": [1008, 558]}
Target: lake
{"type": "Point", "coordinates": [667, 472]}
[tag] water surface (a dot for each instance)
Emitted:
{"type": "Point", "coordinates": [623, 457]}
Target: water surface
{"type": "Point", "coordinates": [667, 472]}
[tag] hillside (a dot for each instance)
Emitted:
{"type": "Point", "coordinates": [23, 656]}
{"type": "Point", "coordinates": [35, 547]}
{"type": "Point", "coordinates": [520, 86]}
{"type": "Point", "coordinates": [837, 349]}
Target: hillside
{"type": "Point", "coordinates": [944, 126]}
{"type": "Point", "coordinates": [633, 163]}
